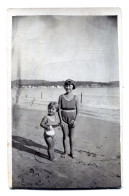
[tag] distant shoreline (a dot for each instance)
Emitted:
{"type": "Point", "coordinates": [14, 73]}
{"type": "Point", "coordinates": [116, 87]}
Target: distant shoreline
{"type": "Point", "coordinates": [59, 84]}
{"type": "Point", "coordinates": [16, 87]}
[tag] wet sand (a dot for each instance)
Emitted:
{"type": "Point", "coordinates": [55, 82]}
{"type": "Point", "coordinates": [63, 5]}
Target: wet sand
{"type": "Point", "coordinates": [97, 149]}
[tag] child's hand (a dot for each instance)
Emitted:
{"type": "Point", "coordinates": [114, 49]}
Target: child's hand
{"type": "Point", "coordinates": [48, 128]}
{"type": "Point", "coordinates": [61, 124]}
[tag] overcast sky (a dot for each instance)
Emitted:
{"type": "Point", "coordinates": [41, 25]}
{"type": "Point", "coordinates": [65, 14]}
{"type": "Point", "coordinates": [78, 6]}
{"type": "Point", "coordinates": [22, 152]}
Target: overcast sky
{"type": "Point", "coordinates": [60, 47]}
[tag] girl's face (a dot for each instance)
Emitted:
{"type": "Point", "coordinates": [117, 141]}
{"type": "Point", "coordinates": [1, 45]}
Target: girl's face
{"type": "Point", "coordinates": [68, 88]}
{"type": "Point", "coordinates": [51, 111]}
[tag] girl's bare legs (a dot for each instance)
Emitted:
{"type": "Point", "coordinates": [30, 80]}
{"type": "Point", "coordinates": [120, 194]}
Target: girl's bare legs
{"type": "Point", "coordinates": [71, 142]}
{"type": "Point", "coordinates": [50, 144]}
{"type": "Point", "coordinates": [65, 138]}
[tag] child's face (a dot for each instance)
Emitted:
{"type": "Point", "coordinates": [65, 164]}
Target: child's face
{"type": "Point", "coordinates": [68, 88]}
{"type": "Point", "coordinates": [51, 111]}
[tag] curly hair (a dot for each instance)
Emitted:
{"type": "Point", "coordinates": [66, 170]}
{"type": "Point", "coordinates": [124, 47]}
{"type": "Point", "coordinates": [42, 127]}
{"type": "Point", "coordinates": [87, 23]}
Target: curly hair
{"type": "Point", "coordinates": [53, 104]}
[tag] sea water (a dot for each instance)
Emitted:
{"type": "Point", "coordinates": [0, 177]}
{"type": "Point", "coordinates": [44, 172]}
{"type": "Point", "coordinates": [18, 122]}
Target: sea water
{"type": "Point", "coordinates": [102, 102]}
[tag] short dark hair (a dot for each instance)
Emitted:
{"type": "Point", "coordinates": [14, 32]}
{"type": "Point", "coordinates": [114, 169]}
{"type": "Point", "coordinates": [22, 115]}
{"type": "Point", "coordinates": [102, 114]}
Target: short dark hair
{"type": "Point", "coordinates": [53, 104]}
{"type": "Point", "coordinates": [69, 82]}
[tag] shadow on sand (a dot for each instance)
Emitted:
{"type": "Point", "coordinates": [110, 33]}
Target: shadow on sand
{"type": "Point", "coordinates": [22, 144]}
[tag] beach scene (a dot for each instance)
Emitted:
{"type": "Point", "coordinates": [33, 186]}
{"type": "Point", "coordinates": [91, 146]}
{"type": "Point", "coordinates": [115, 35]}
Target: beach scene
{"type": "Point", "coordinates": [97, 141]}
{"type": "Point", "coordinates": [47, 50]}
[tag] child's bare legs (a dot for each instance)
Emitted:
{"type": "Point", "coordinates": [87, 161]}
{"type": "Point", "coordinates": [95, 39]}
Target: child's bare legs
{"type": "Point", "coordinates": [71, 142]}
{"type": "Point", "coordinates": [54, 140]}
{"type": "Point", "coordinates": [65, 138]}
{"type": "Point", "coordinates": [50, 142]}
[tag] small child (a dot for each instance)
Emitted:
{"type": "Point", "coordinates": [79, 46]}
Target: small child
{"type": "Point", "coordinates": [49, 122]}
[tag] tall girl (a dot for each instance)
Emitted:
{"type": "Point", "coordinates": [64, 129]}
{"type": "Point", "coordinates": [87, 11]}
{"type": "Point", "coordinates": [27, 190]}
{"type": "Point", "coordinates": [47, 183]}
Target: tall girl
{"type": "Point", "coordinates": [68, 111]}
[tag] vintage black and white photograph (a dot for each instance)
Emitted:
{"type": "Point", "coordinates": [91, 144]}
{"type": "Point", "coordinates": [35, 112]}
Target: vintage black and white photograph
{"type": "Point", "coordinates": [65, 99]}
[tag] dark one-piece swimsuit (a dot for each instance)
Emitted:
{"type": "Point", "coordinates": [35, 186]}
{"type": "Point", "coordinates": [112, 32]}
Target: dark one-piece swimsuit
{"type": "Point", "coordinates": [68, 109]}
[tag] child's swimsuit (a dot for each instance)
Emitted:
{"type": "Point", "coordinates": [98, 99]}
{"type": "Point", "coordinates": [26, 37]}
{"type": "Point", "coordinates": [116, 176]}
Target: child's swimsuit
{"type": "Point", "coordinates": [50, 122]}
{"type": "Point", "coordinates": [68, 109]}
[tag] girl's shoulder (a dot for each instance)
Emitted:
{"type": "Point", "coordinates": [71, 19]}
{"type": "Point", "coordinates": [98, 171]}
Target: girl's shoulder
{"type": "Point", "coordinates": [60, 97]}
{"type": "Point", "coordinates": [75, 97]}
{"type": "Point", "coordinates": [45, 118]}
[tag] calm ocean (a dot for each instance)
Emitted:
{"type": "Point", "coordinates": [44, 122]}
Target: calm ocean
{"type": "Point", "coordinates": [102, 103]}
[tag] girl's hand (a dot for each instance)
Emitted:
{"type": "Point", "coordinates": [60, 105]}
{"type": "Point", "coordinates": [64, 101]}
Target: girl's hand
{"type": "Point", "coordinates": [72, 123]}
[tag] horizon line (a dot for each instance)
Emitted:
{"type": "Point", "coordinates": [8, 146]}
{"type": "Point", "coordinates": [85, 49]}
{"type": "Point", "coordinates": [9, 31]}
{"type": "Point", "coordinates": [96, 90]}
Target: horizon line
{"type": "Point", "coordinates": [68, 78]}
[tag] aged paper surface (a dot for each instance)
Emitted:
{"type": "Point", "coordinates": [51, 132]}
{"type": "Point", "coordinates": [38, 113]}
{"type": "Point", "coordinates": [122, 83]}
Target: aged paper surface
{"type": "Point", "coordinates": [45, 48]}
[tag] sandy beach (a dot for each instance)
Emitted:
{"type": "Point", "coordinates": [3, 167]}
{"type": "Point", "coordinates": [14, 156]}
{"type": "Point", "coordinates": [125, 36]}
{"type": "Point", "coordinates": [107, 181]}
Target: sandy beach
{"type": "Point", "coordinates": [97, 149]}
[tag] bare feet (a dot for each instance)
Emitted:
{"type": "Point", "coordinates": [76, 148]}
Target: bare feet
{"type": "Point", "coordinates": [72, 155]}
{"type": "Point", "coordinates": [64, 155]}
{"type": "Point", "coordinates": [53, 159]}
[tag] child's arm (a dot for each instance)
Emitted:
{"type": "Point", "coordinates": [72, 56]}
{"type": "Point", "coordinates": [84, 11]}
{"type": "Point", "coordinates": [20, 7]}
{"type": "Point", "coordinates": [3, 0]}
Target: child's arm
{"type": "Point", "coordinates": [43, 123]}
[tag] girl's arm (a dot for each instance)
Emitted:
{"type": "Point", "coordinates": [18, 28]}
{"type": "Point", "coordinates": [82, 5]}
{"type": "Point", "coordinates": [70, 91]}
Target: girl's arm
{"type": "Point", "coordinates": [77, 107]}
{"type": "Point", "coordinates": [43, 123]}
{"type": "Point", "coordinates": [59, 112]}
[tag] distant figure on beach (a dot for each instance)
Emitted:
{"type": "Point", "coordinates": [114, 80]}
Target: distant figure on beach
{"type": "Point", "coordinates": [49, 122]}
{"type": "Point", "coordinates": [68, 111]}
